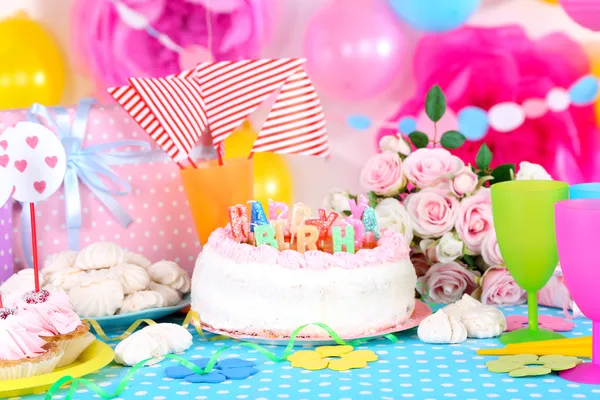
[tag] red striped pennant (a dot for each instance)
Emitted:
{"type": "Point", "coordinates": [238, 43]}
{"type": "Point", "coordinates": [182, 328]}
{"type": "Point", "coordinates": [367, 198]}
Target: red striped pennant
{"type": "Point", "coordinates": [233, 90]}
{"type": "Point", "coordinates": [296, 123]}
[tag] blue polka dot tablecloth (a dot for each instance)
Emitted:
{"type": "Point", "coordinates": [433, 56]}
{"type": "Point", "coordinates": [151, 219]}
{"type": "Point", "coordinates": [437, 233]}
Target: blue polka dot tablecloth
{"type": "Point", "coordinates": [406, 369]}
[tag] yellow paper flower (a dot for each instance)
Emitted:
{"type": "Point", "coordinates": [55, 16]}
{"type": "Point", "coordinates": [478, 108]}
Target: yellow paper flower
{"type": "Point", "coordinates": [531, 365]}
{"type": "Point", "coordinates": [346, 358]}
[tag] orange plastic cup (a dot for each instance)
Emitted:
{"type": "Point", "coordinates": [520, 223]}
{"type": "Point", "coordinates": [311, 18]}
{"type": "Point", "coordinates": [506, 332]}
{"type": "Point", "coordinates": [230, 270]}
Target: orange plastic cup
{"type": "Point", "coordinates": [212, 188]}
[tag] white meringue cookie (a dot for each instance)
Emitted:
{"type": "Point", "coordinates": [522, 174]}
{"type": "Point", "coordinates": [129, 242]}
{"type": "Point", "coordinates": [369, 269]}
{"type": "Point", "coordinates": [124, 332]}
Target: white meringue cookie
{"type": "Point", "coordinates": [442, 328]}
{"type": "Point", "coordinates": [467, 303]}
{"type": "Point", "coordinates": [97, 294]}
{"type": "Point", "coordinates": [142, 300]}
{"type": "Point", "coordinates": [170, 274]}
{"type": "Point", "coordinates": [484, 322]}
{"type": "Point", "coordinates": [59, 261]}
{"type": "Point", "coordinates": [171, 296]}
{"type": "Point", "coordinates": [100, 255]}
{"type": "Point", "coordinates": [133, 277]}
{"type": "Point", "coordinates": [153, 341]}
{"type": "Point", "coordinates": [66, 279]}
{"type": "Point", "coordinates": [137, 259]}
{"type": "Point", "coordinates": [19, 283]}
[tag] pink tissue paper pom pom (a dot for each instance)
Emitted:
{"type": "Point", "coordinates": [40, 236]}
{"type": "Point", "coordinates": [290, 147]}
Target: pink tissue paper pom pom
{"type": "Point", "coordinates": [460, 61]}
{"type": "Point", "coordinates": [113, 52]}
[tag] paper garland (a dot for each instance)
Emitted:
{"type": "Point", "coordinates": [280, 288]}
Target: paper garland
{"type": "Point", "coordinates": [474, 122]}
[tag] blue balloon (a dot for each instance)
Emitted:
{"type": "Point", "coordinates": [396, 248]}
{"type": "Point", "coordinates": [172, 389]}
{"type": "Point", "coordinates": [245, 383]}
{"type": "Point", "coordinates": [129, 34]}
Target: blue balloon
{"type": "Point", "coordinates": [407, 125]}
{"type": "Point", "coordinates": [473, 122]}
{"type": "Point", "coordinates": [435, 15]}
{"type": "Point", "coordinates": [585, 90]}
{"type": "Point", "coordinates": [359, 122]}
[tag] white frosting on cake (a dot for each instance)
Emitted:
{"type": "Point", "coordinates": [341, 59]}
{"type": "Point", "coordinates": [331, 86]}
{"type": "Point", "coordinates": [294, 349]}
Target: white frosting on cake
{"type": "Point", "coordinates": [271, 299]}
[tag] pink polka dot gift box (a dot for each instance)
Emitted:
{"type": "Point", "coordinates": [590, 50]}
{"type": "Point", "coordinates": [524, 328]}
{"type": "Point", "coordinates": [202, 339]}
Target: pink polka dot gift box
{"type": "Point", "coordinates": [119, 187]}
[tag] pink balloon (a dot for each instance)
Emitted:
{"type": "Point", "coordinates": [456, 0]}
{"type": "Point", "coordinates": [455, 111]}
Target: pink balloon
{"type": "Point", "coordinates": [585, 12]}
{"type": "Point", "coordinates": [449, 122]}
{"type": "Point", "coordinates": [354, 49]}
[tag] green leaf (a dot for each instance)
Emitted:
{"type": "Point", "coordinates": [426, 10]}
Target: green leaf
{"type": "Point", "coordinates": [373, 200]}
{"type": "Point", "coordinates": [347, 213]}
{"type": "Point", "coordinates": [470, 260]}
{"type": "Point", "coordinates": [435, 103]}
{"type": "Point", "coordinates": [353, 197]}
{"type": "Point", "coordinates": [484, 157]}
{"type": "Point", "coordinates": [503, 173]}
{"type": "Point", "coordinates": [452, 140]}
{"type": "Point", "coordinates": [419, 139]}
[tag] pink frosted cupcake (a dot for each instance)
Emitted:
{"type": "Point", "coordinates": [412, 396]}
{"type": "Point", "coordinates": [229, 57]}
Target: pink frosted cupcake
{"type": "Point", "coordinates": [22, 353]}
{"type": "Point", "coordinates": [51, 316]}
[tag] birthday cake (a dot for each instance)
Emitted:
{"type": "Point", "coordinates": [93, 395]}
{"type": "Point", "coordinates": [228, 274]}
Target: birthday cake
{"type": "Point", "coordinates": [265, 279]}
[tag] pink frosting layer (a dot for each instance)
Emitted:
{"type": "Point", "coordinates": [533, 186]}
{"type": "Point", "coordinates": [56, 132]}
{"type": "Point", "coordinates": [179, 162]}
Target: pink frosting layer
{"type": "Point", "coordinates": [53, 317]}
{"type": "Point", "coordinates": [390, 248]}
{"type": "Point", "coordinates": [16, 341]}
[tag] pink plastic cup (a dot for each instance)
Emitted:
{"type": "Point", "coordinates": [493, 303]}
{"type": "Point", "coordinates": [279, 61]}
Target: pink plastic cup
{"type": "Point", "coordinates": [577, 232]}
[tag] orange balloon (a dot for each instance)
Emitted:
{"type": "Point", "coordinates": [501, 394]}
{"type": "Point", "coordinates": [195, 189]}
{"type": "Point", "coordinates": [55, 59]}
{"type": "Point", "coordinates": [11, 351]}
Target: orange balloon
{"type": "Point", "coordinates": [32, 68]}
{"type": "Point", "coordinates": [593, 51]}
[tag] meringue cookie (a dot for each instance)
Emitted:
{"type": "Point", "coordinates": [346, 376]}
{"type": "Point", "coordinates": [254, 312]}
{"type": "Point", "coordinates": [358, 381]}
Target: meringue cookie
{"type": "Point", "coordinates": [59, 261]}
{"type": "Point", "coordinates": [442, 328]}
{"type": "Point", "coordinates": [98, 294]}
{"type": "Point", "coordinates": [171, 296]}
{"type": "Point", "coordinates": [133, 277]}
{"type": "Point", "coordinates": [170, 274]}
{"type": "Point", "coordinates": [142, 300]}
{"type": "Point", "coordinates": [153, 341]}
{"type": "Point", "coordinates": [467, 303]}
{"type": "Point", "coordinates": [137, 259]}
{"type": "Point", "coordinates": [66, 278]}
{"type": "Point", "coordinates": [484, 322]}
{"type": "Point", "coordinates": [100, 255]}
{"type": "Point", "coordinates": [20, 283]}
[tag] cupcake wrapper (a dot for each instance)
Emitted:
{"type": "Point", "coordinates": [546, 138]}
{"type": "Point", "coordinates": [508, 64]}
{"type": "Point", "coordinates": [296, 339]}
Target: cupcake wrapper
{"type": "Point", "coordinates": [27, 369]}
{"type": "Point", "coordinates": [73, 348]}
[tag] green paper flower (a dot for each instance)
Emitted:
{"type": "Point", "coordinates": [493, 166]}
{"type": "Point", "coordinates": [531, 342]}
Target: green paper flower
{"type": "Point", "coordinates": [531, 365]}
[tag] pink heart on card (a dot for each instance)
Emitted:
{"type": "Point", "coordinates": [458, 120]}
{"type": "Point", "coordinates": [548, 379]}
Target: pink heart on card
{"type": "Point", "coordinates": [39, 186]}
{"type": "Point", "coordinates": [20, 165]}
{"type": "Point", "coordinates": [32, 141]}
{"type": "Point", "coordinates": [51, 161]}
{"type": "Point", "coordinates": [4, 160]}
{"type": "Point", "coordinates": [192, 56]}
{"type": "Point", "coordinates": [4, 144]}
{"type": "Point", "coordinates": [13, 191]}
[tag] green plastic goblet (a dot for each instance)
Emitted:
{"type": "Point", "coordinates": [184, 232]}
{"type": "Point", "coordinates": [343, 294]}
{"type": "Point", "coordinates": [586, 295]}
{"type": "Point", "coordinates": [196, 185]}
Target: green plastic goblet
{"type": "Point", "coordinates": [523, 214]}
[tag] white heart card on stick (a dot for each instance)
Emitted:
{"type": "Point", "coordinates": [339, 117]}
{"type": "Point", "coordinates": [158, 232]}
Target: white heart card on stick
{"type": "Point", "coordinates": [35, 159]}
{"type": "Point", "coordinates": [6, 184]}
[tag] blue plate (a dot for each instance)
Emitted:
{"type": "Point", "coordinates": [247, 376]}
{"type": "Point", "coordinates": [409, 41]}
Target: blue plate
{"type": "Point", "coordinates": [124, 321]}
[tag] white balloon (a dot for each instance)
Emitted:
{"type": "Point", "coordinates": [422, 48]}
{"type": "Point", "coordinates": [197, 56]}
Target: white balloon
{"type": "Point", "coordinates": [131, 18]}
{"type": "Point", "coordinates": [506, 117]}
{"type": "Point", "coordinates": [558, 99]}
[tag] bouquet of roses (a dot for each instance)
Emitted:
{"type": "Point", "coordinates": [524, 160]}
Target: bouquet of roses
{"type": "Point", "coordinates": [443, 208]}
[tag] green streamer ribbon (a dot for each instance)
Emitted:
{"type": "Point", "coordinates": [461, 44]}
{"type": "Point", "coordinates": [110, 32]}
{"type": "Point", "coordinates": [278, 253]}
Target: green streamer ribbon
{"type": "Point", "coordinates": [76, 382]}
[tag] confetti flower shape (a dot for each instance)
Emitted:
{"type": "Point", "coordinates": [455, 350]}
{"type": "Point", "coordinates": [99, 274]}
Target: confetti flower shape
{"type": "Point", "coordinates": [346, 358]}
{"type": "Point", "coordinates": [556, 324]}
{"type": "Point", "coordinates": [531, 365]}
{"type": "Point", "coordinates": [230, 368]}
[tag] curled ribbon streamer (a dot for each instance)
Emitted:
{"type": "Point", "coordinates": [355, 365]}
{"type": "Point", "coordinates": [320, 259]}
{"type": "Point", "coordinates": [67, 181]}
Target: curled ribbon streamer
{"type": "Point", "coordinates": [89, 165]}
{"type": "Point", "coordinates": [200, 371]}
{"type": "Point", "coordinates": [100, 332]}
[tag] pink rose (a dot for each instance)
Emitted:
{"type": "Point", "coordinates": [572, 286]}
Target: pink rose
{"type": "Point", "coordinates": [498, 287]}
{"type": "Point", "coordinates": [430, 167]}
{"type": "Point", "coordinates": [475, 220]}
{"type": "Point", "coordinates": [419, 261]}
{"type": "Point", "coordinates": [464, 182]}
{"type": "Point", "coordinates": [383, 174]}
{"type": "Point", "coordinates": [446, 283]}
{"type": "Point", "coordinates": [490, 251]}
{"type": "Point", "coordinates": [566, 143]}
{"type": "Point", "coordinates": [432, 212]}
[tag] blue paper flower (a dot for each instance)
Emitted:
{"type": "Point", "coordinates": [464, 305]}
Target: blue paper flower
{"type": "Point", "coordinates": [229, 368]}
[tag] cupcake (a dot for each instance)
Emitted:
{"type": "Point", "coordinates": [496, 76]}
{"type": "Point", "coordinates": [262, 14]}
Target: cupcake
{"type": "Point", "coordinates": [51, 316]}
{"type": "Point", "coordinates": [23, 353]}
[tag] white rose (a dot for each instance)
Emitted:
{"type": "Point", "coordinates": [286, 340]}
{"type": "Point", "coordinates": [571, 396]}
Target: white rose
{"type": "Point", "coordinates": [337, 200]}
{"type": "Point", "coordinates": [530, 171]}
{"type": "Point", "coordinates": [395, 144]}
{"type": "Point", "coordinates": [449, 248]}
{"type": "Point", "coordinates": [392, 215]}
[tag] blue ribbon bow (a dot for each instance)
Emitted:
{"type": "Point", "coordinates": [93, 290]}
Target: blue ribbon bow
{"type": "Point", "coordinates": [88, 164]}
